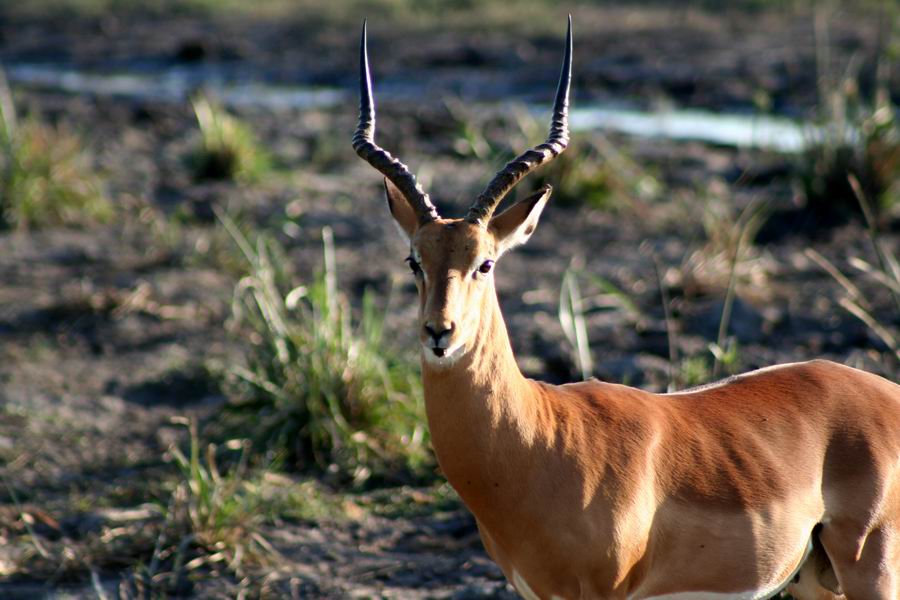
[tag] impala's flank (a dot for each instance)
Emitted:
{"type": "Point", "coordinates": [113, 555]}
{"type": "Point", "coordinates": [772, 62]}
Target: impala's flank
{"type": "Point", "coordinates": [784, 476]}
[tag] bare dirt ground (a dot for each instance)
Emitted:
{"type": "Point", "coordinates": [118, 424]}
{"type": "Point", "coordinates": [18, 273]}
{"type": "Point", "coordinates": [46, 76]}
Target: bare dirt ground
{"type": "Point", "coordinates": [108, 332]}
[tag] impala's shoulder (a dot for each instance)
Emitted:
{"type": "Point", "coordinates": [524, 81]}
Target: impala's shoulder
{"type": "Point", "coordinates": [604, 410]}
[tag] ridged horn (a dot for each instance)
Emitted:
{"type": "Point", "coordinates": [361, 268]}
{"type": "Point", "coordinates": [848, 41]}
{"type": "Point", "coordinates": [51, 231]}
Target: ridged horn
{"type": "Point", "coordinates": [375, 155]}
{"type": "Point", "coordinates": [507, 178]}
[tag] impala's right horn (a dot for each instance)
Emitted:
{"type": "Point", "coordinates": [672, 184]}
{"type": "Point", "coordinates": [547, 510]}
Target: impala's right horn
{"type": "Point", "coordinates": [507, 178]}
{"type": "Point", "coordinates": [375, 155]}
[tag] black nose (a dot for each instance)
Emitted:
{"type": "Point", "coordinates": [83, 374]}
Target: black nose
{"type": "Point", "coordinates": [436, 333]}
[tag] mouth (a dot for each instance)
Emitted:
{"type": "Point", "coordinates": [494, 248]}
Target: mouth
{"type": "Point", "coordinates": [443, 356]}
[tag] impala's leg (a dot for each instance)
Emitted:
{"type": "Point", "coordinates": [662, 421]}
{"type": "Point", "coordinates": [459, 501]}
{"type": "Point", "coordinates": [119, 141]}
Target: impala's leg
{"type": "Point", "coordinates": [808, 588]}
{"type": "Point", "coordinates": [816, 579]}
{"type": "Point", "coordinates": [873, 572]}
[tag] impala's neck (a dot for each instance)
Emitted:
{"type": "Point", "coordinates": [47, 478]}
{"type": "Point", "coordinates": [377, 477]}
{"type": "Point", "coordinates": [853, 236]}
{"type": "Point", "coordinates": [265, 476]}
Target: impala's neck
{"type": "Point", "coordinates": [481, 409]}
{"type": "Point", "coordinates": [485, 378]}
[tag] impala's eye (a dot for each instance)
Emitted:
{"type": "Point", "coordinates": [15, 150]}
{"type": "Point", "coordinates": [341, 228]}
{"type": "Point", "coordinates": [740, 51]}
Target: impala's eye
{"type": "Point", "coordinates": [486, 267]}
{"type": "Point", "coordinates": [413, 265]}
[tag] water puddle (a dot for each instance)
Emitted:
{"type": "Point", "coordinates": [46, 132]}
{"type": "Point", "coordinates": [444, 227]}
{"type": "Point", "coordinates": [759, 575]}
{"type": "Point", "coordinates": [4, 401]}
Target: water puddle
{"type": "Point", "coordinates": [744, 131]}
{"type": "Point", "coordinates": [176, 84]}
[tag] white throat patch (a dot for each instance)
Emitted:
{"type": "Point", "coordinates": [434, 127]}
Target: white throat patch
{"type": "Point", "coordinates": [448, 360]}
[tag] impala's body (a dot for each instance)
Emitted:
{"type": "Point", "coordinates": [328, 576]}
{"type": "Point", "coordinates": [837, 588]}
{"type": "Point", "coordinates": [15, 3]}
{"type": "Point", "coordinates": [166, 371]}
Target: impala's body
{"type": "Point", "coordinates": [789, 475]}
{"type": "Point", "coordinates": [595, 490]}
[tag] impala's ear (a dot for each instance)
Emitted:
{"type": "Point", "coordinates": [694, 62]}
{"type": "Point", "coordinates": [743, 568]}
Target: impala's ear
{"type": "Point", "coordinates": [402, 212]}
{"type": "Point", "coordinates": [516, 224]}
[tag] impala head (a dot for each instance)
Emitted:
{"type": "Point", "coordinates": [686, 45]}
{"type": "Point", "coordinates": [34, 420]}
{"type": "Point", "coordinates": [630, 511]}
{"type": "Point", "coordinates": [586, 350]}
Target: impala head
{"type": "Point", "coordinates": [453, 259]}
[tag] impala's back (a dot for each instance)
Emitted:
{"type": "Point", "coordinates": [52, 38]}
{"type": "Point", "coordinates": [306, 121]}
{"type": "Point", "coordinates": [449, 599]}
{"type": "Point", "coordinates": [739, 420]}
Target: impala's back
{"type": "Point", "coordinates": [754, 465]}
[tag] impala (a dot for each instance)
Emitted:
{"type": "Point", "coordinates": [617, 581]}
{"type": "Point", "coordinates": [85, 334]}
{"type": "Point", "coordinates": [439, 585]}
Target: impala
{"type": "Point", "coordinates": [786, 476]}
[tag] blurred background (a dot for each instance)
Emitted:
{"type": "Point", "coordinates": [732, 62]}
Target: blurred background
{"type": "Point", "coordinates": [209, 384]}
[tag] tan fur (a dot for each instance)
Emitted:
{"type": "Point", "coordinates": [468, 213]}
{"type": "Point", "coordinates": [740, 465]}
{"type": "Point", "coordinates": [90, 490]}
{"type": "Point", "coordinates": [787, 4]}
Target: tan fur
{"type": "Point", "coordinates": [595, 490]}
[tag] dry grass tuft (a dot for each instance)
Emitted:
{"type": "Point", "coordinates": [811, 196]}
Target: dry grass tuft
{"type": "Point", "coordinates": [45, 174]}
